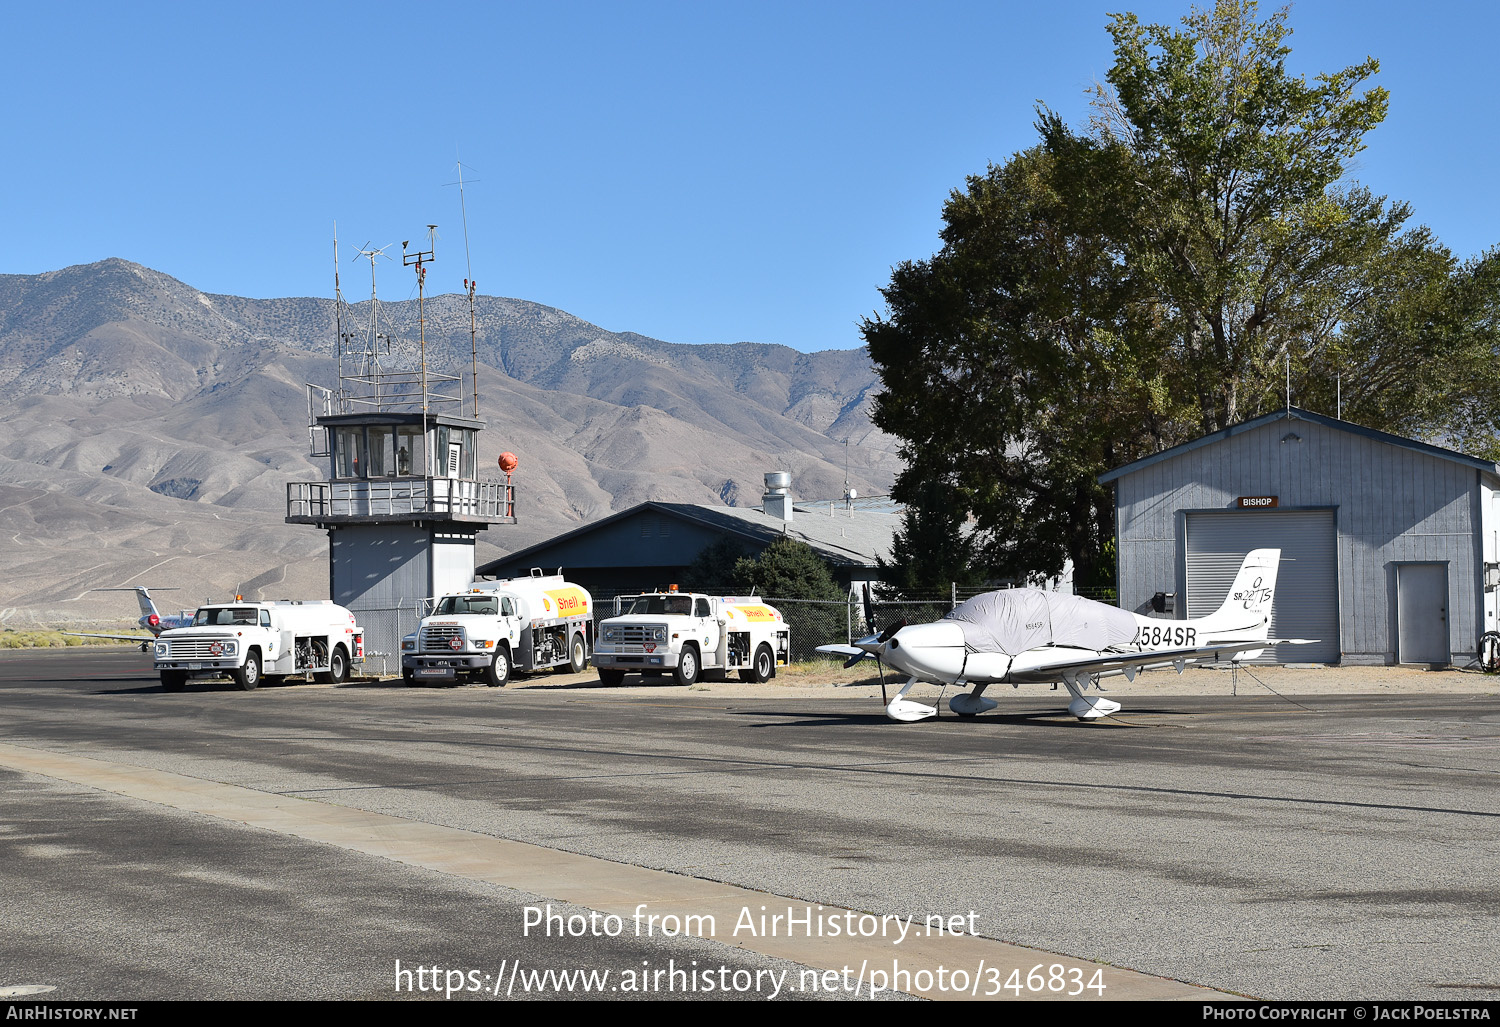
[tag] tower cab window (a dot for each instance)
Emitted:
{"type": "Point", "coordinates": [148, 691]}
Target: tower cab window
{"type": "Point", "coordinates": [378, 451]}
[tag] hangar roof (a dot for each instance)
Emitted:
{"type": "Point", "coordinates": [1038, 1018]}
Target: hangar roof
{"type": "Point", "coordinates": [1297, 414]}
{"type": "Point", "coordinates": [855, 537]}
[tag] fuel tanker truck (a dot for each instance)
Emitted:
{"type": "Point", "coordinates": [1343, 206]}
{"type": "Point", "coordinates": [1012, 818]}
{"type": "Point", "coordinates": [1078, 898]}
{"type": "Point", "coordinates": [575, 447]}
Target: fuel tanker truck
{"type": "Point", "coordinates": [686, 634]}
{"type": "Point", "coordinates": [493, 628]}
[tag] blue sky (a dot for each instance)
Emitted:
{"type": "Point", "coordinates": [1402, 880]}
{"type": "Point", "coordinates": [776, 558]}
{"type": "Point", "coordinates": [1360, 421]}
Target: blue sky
{"type": "Point", "coordinates": [697, 172]}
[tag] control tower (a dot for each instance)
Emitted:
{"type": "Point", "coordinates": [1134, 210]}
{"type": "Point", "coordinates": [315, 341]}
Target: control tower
{"type": "Point", "coordinates": [403, 502]}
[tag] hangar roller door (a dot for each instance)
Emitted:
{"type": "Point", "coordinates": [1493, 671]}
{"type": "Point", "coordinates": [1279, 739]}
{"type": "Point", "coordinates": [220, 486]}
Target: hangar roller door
{"type": "Point", "coordinates": [1306, 602]}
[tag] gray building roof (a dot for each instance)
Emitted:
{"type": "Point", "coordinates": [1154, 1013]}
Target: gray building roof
{"type": "Point", "coordinates": [845, 535]}
{"type": "Point", "coordinates": [1293, 414]}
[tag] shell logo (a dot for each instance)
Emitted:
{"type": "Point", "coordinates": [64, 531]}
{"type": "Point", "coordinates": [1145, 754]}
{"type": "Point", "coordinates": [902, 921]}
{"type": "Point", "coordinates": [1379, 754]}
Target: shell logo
{"type": "Point", "coordinates": [571, 602]}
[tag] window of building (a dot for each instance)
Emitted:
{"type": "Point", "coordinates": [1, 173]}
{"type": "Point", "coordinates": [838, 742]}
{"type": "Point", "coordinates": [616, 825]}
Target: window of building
{"type": "Point", "coordinates": [348, 452]}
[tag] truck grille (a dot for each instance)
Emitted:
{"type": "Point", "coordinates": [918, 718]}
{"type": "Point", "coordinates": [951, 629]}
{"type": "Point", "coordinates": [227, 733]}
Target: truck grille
{"type": "Point", "coordinates": [634, 634]}
{"type": "Point", "coordinates": [195, 649]}
{"type": "Point", "coordinates": [438, 638]}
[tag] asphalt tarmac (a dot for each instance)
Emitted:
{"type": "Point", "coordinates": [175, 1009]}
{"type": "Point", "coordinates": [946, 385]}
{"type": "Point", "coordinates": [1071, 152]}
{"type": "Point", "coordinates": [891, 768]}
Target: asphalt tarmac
{"type": "Point", "coordinates": [223, 844]}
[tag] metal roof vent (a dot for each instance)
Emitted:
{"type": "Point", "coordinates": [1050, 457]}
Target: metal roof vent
{"type": "Point", "coordinates": [777, 502]}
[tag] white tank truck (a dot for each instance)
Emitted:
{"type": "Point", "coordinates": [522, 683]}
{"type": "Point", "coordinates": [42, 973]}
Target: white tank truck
{"type": "Point", "coordinates": [494, 627]}
{"type": "Point", "coordinates": [249, 640]}
{"type": "Point", "coordinates": [686, 634]}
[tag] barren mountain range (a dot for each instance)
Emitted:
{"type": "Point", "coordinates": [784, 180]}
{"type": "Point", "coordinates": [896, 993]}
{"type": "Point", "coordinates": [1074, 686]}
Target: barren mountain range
{"type": "Point", "coordinates": [151, 430]}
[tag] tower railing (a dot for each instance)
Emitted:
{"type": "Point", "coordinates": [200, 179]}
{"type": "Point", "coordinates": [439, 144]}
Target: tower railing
{"type": "Point", "coordinates": [397, 497]}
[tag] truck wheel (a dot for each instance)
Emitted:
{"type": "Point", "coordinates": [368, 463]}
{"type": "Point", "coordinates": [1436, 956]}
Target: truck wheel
{"type": "Point", "coordinates": [764, 667]}
{"type": "Point", "coordinates": [499, 671]}
{"type": "Point", "coordinates": [611, 677]}
{"type": "Point", "coordinates": [687, 666]}
{"type": "Point", "coordinates": [407, 676]}
{"type": "Point", "coordinates": [338, 667]}
{"type": "Point", "coordinates": [248, 676]}
{"type": "Point", "coordinates": [579, 660]}
{"type": "Point", "coordinates": [172, 680]}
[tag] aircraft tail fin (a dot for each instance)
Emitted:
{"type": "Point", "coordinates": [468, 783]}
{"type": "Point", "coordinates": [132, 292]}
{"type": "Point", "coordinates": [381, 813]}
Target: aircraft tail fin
{"type": "Point", "coordinates": [143, 598]}
{"type": "Point", "coordinates": [1246, 610]}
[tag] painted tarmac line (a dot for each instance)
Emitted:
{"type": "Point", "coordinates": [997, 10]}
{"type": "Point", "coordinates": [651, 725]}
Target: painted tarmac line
{"type": "Point", "coordinates": [616, 888]}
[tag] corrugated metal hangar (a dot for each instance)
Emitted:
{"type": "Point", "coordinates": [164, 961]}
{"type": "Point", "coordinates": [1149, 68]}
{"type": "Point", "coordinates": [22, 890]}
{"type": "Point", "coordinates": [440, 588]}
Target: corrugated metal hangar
{"type": "Point", "coordinates": [1388, 544]}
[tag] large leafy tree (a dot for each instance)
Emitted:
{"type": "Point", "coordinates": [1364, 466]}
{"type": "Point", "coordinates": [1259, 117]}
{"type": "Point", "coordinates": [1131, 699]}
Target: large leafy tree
{"type": "Point", "coordinates": [1117, 290]}
{"type": "Point", "coordinates": [787, 569]}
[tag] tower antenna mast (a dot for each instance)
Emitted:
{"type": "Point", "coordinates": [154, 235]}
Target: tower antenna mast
{"type": "Point", "coordinates": [338, 314]}
{"type": "Point", "coordinates": [469, 285]}
{"type": "Point", "coordinates": [370, 358]}
{"type": "Point", "coordinates": [419, 260]}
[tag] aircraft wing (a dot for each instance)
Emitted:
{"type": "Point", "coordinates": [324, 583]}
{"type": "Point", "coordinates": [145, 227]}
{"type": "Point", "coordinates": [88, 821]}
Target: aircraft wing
{"type": "Point", "coordinates": [1130, 663]}
{"type": "Point", "coordinates": [144, 641]}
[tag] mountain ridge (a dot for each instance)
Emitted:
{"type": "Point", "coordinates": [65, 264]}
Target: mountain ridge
{"type": "Point", "coordinates": [133, 398]}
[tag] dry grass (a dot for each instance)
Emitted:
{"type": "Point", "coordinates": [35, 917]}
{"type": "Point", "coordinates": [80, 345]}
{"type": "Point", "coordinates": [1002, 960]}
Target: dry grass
{"type": "Point", "coordinates": [11, 638]}
{"type": "Point", "coordinates": [827, 672]}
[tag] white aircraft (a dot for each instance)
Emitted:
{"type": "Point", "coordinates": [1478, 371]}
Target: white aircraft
{"type": "Point", "coordinates": [1026, 635]}
{"type": "Point", "coordinates": [150, 618]}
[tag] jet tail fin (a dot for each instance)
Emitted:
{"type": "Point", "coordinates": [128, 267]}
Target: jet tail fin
{"type": "Point", "coordinates": [150, 617]}
{"type": "Point", "coordinates": [143, 598]}
{"type": "Point", "coordinates": [1246, 610]}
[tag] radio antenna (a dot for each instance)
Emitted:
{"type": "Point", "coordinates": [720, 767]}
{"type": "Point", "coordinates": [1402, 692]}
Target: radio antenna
{"type": "Point", "coordinates": [370, 357]}
{"type": "Point", "coordinates": [419, 259]}
{"type": "Point", "coordinates": [338, 312]}
{"type": "Point", "coordinates": [469, 285]}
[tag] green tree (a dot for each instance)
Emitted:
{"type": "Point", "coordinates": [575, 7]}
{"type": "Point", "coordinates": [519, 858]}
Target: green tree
{"type": "Point", "coordinates": [787, 569]}
{"type": "Point", "coordinates": [713, 567]}
{"type": "Point", "coordinates": [933, 548]}
{"type": "Point", "coordinates": [1112, 292]}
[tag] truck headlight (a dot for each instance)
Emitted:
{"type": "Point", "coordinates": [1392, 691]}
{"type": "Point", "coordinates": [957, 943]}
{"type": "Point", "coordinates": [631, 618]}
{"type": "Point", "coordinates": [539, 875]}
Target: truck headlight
{"type": "Point", "coordinates": [409, 644]}
{"type": "Point", "coordinates": [160, 649]}
{"type": "Point", "coordinates": [659, 634]}
{"type": "Point", "coordinates": [481, 644]}
{"type": "Point", "coordinates": [231, 648]}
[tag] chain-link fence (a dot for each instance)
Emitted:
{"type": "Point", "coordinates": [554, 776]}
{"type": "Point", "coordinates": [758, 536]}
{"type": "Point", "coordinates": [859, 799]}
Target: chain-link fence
{"type": "Point", "coordinates": [384, 627]}
{"type": "Point", "coordinates": [812, 622]}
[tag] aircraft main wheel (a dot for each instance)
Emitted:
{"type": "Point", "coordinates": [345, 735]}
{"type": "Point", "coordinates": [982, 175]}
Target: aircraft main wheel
{"type": "Point", "coordinates": [687, 666]}
{"type": "Point", "coordinates": [248, 676]}
{"type": "Point", "coordinates": [611, 677]}
{"type": "Point", "coordinates": [579, 658]}
{"type": "Point", "coordinates": [172, 680]}
{"type": "Point", "coordinates": [499, 671]}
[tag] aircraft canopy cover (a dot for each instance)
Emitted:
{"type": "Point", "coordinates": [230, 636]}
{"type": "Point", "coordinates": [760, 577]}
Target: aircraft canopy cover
{"type": "Point", "coordinates": [1014, 620]}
